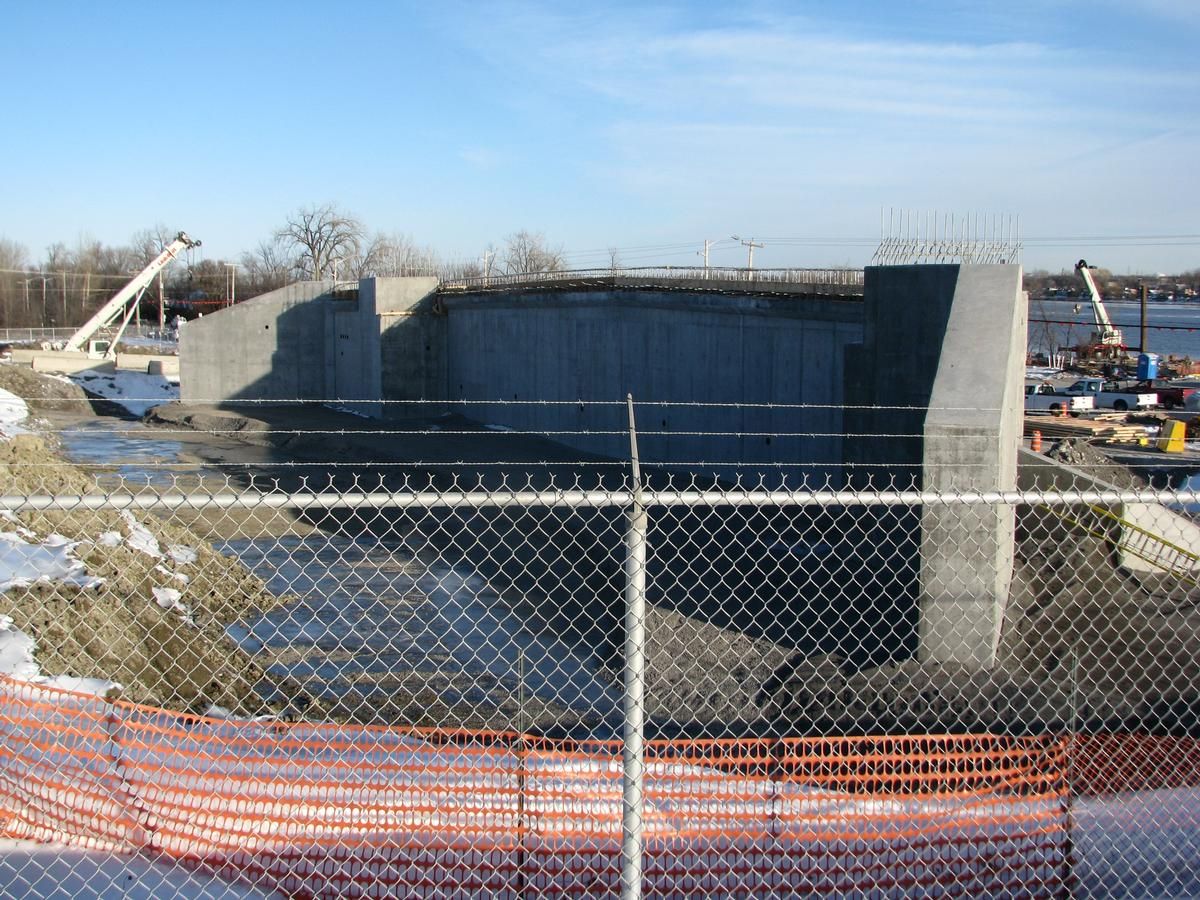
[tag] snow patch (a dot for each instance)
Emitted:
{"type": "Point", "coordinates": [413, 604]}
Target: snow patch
{"type": "Point", "coordinates": [16, 661]}
{"type": "Point", "coordinates": [110, 539]}
{"type": "Point", "coordinates": [140, 538]}
{"type": "Point", "coordinates": [183, 556]}
{"type": "Point", "coordinates": [16, 651]}
{"type": "Point", "coordinates": [23, 563]}
{"type": "Point", "coordinates": [167, 598]}
{"type": "Point", "coordinates": [13, 411]}
{"type": "Point", "coordinates": [137, 392]}
{"type": "Point", "coordinates": [171, 599]}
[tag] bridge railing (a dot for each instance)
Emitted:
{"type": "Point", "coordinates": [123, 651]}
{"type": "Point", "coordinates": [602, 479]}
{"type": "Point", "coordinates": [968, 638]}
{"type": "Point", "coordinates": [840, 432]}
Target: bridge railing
{"type": "Point", "coordinates": [839, 278]}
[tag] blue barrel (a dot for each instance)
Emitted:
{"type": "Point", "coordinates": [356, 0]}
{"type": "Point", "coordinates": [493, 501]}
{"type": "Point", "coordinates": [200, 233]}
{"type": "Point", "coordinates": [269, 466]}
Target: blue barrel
{"type": "Point", "coordinates": [1147, 367]}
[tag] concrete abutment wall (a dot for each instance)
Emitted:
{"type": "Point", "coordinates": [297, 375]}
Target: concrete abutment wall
{"type": "Point", "coordinates": [720, 359]}
{"type": "Point", "coordinates": [934, 354]}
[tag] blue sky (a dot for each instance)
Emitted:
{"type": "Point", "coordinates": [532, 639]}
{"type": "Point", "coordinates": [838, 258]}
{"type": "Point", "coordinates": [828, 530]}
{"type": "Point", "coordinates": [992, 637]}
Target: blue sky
{"type": "Point", "coordinates": [638, 126]}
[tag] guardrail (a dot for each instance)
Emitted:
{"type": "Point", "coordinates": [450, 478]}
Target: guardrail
{"type": "Point", "coordinates": [840, 278]}
{"type": "Point", "coordinates": [21, 335]}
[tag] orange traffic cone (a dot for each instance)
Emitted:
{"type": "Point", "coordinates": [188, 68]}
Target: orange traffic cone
{"type": "Point", "coordinates": [1035, 443]}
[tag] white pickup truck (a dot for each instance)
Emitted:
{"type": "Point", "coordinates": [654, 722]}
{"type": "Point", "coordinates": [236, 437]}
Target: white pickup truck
{"type": "Point", "coordinates": [1040, 396]}
{"type": "Point", "coordinates": [1111, 395]}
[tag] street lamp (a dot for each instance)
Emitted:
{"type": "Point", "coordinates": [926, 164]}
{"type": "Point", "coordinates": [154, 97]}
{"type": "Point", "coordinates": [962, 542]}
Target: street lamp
{"type": "Point", "coordinates": [231, 282]}
{"type": "Point", "coordinates": [750, 245]}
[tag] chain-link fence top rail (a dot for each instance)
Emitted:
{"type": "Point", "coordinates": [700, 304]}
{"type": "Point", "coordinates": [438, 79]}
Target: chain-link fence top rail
{"type": "Point", "coordinates": [323, 656]}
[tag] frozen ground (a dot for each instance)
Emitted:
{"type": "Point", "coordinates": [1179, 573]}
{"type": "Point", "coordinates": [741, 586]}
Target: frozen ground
{"type": "Point", "coordinates": [135, 391]}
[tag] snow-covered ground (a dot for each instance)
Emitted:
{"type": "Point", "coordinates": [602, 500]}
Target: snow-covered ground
{"type": "Point", "coordinates": [13, 412]}
{"type": "Point", "coordinates": [136, 391]}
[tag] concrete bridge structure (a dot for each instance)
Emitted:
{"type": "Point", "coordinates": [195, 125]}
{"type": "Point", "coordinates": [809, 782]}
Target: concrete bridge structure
{"type": "Point", "coordinates": [797, 372]}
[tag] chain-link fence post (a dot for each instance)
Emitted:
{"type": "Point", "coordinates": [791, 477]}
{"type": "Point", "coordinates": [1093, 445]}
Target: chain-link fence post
{"type": "Point", "coordinates": [1068, 885]}
{"type": "Point", "coordinates": [522, 774]}
{"type": "Point", "coordinates": [633, 750]}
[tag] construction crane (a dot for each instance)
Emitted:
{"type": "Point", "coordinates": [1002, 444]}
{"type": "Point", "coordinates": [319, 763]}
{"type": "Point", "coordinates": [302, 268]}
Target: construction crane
{"type": "Point", "coordinates": [124, 304]}
{"type": "Point", "coordinates": [1106, 337]}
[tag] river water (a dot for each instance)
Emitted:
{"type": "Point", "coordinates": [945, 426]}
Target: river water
{"type": "Point", "coordinates": [378, 629]}
{"type": "Point", "coordinates": [1172, 328]}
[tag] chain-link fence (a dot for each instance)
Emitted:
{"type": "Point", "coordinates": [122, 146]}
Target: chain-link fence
{"type": "Point", "coordinates": [355, 674]}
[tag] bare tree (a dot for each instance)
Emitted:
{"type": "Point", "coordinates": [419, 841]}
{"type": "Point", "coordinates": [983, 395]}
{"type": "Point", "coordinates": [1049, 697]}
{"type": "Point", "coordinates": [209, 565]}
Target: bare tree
{"type": "Point", "coordinates": [325, 238]}
{"type": "Point", "coordinates": [58, 258]}
{"type": "Point", "coordinates": [13, 258]}
{"type": "Point", "coordinates": [468, 269]}
{"type": "Point", "coordinates": [394, 255]}
{"type": "Point", "coordinates": [270, 266]}
{"type": "Point", "coordinates": [13, 255]}
{"type": "Point", "coordinates": [526, 251]}
{"type": "Point", "coordinates": [149, 242]}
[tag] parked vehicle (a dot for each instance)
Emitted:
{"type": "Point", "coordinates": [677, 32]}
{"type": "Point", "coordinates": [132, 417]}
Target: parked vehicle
{"type": "Point", "coordinates": [1111, 394]}
{"type": "Point", "coordinates": [1040, 397]}
{"type": "Point", "coordinates": [1172, 396]}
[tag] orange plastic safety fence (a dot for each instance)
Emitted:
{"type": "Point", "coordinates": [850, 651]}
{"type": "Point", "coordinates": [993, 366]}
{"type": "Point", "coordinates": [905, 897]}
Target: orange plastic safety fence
{"type": "Point", "coordinates": [336, 811]}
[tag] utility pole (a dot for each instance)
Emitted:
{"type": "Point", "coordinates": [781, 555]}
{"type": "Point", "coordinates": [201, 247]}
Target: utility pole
{"type": "Point", "coordinates": [704, 253]}
{"type": "Point", "coordinates": [485, 263]}
{"type": "Point", "coordinates": [750, 245]}
{"type": "Point", "coordinates": [1143, 296]}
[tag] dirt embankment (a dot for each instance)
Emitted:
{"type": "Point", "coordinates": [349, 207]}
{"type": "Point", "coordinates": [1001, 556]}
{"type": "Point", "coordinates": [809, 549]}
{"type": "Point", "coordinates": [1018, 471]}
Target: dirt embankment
{"type": "Point", "coordinates": [165, 650]}
{"type": "Point", "coordinates": [1083, 641]}
{"type": "Point", "coordinates": [42, 393]}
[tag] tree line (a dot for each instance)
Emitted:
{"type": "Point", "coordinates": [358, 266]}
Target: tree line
{"type": "Point", "coordinates": [320, 242]}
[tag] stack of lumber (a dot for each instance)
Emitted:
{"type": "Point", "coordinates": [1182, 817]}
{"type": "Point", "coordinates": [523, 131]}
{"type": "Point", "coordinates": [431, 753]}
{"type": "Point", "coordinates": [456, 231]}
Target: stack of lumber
{"type": "Point", "coordinates": [1109, 429]}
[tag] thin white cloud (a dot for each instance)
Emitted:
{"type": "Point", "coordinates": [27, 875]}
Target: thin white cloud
{"type": "Point", "coordinates": [782, 118]}
{"type": "Point", "coordinates": [787, 64]}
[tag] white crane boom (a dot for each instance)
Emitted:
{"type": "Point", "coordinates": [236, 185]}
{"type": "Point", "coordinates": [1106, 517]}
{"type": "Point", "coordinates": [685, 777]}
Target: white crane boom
{"type": "Point", "coordinates": [1105, 334]}
{"type": "Point", "coordinates": [124, 302]}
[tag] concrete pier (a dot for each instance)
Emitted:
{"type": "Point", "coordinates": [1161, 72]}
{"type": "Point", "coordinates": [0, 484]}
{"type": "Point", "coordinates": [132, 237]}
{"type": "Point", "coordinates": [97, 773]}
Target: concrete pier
{"type": "Point", "coordinates": [938, 397]}
{"type": "Point", "coordinates": [971, 436]}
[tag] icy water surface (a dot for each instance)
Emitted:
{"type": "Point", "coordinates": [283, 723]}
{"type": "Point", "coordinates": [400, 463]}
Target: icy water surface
{"type": "Point", "coordinates": [373, 629]}
{"type": "Point", "coordinates": [135, 452]}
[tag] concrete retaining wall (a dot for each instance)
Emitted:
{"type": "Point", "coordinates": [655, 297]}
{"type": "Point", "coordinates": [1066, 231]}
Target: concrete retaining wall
{"type": "Point", "coordinates": [1149, 538]}
{"type": "Point", "coordinates": [270, 348]}
{"type": "Point", "coordinates": [360, 330]}
{"type": "Point", "coordinates": [304, 342]}
{"type": "Point", "coordinates": [591, 348]}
